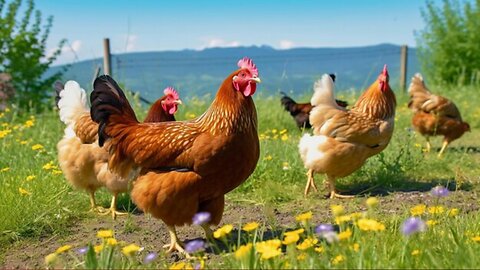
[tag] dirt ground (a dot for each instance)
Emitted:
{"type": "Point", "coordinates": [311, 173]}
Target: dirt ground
{"type": "Point", "coordinates": [152, 234]}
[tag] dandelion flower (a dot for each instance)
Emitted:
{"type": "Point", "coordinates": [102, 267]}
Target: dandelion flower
{"type": "Point", "coordinates": [98, 248]}
{"type": "Point", "coordinates": [268, 157]}
{"type": "Point", "coordinates": [195, 246]}
{"type": "Point", "coordinates": [223, 231]}
{"type": "Point", "coordinates": [37, 147]}
{"type": "Point", "coordinates": [23, 142]}
{"type": "Point", "coordinates": [29, 123]}
{"type": "Point", "coordinates": [319, 249]}
{"type": "Point", "coordinates": [130, 249]}
{"type": "Point", "coordinates": [24, 191]}
{"type": "Point", "coordinates": [341, 219]}
{"type": "Point", "coordinates": [345, 235]}
{"type": "Point", "coordinates": [337, 210]}
{"type": "Point", "coordinates": [178, 266]}
{"type": "Point", "coordinates": [284, 137]}
{"type": "Point", "coordinates": [56, 172]}
{"type": "Point", "coordinates": [201, 218]}
{"type": "Point", "coordinates": [49, 166]}
{"type": "Point", "coordinates": [439, 191]}
{"type": "Point", "coordinates": [307, 243]}
{"type": "Point", "coordinates": [415, 252]}
{"type": "Point", "coordinates": [431, 222]}
{"type": "Point", "coordinates": [366, 224]}
{"type": "Point", "coordinates": [338, 259]}
{"type": "Point", "coordinates": [371, 202]}
{"type": "Point", "coordinates": [283, 131]}
{"type": "Point", "coordinates": [63, 249]}
{"type": "Point", "coordinates": [105, 234]}
{"type": "Point", "coordinates": [290, 239]}
{"type": "Point", "coordinates": [250, 226]}
{"type": "Point", "coordinates": [301, 257]}
{"type": "Point", "coordinates": [243, 250]}
{"type": "Point", "coordinates": [476, 239]}
{"type": "Point", "coordinates": [274, 130]}
{"type": "Point", "coordinates": [356, 247]}
{"type": "Point", "coordinates": [111, 241]}
{"type": "Point", "coordinates": [304, 217]}
{"type": "Point", "coordinates": [50, 258]}
{"type": "Point", "coordinates": [271, 253]}
{"type": "Point", "coordinates": [6, 169]}
{"type": "Point", "coordinates": [436, 210]}
{"type": "Point", "coordinates": [30, 177]}
{"type": "Point", "coordinates": [453, 212]}
{"type": "Point", "coordinates": [413, 225]}
{"type": "Point", "coordinates": [418, 210]}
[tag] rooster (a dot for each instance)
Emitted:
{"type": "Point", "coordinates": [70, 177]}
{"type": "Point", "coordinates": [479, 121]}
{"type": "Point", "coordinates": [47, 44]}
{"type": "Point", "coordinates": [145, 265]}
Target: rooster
{"type": "Point", "coordinates": [344, 139]}
{"type": "Point", "coordinates": [184, 167]}
{"type": "Point", "coordinates": [434, 115]}
{"type": "Point", "coordinates": [83, 162]}
{"type": "Point", "coordinates": [301, 111]}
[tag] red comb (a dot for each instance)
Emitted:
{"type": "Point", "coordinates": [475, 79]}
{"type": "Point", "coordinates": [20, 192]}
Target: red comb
{"type": "Point", "coordinates": [172, 92]}
{"type": "Point", "coordinates": [385, 71]}
{"type": "Point", "coordinates": [248, 64]}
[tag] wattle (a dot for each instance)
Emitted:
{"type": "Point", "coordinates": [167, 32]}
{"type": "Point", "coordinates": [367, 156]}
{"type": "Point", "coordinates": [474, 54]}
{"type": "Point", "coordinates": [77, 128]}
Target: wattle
{"type": "Point", "coordinates": [250, 89]}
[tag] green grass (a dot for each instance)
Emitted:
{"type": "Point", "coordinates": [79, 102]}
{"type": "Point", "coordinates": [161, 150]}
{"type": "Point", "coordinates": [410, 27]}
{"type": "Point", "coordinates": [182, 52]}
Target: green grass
{"type": "Point", "coordinates": [49, 205]}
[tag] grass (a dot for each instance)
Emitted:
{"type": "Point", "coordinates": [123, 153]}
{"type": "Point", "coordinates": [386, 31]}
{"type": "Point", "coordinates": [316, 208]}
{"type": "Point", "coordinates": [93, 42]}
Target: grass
{"type": "Point", "coordinates": [37, 202]}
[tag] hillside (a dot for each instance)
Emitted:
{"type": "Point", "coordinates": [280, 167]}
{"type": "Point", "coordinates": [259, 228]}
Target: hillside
{"type": "Point", "coordinates": [293, 70]}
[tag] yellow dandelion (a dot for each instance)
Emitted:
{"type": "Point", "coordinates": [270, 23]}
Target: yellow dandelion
{"type": "Point", "coordinates": [223, 231]}
{"type": "Point", "coordinates": [356, 247]}
{"type": "Point", "coordinates": [37, 147]}
{"type": "Point", "coordinates": [2, 115]}
{"type": "Point", "coordinates": [431, 222]}
{"type": "Point", "coordinates": [56, 172]}
{"type": "Point", "coordinates": [5, 132]}
{"type": "Point", "coordinates": [243, 251]}
{"type": "Point", "coordinates": [23, 142]}
{"type": "Point", "coordinates": [274, 130]}
{"type": "Point", "coordinates": [297, 231]}
{"type": "Point", "coordinates": [6, 169]}
{"type": "Point", "coordinates": [453, 212]}
{"type": "Point", "coordinates": [301, 257]}
{"type": "Point", "coordinates": [436, 210]}
{"type": "Point", "coordinates": [111, 241]}
{"type": "Point", "coordinates": [29, 123]}
{"type": "Point", "coordinates": [415, 252]}
{"type": "Point", "coordinates": [307, 243]}
{"type": "Point", "coordinates": [418, 210]}
{"type": "Point", "coordinates": [50, 258]}
{"type": "Point", "coordinates": [319, 249]}
{"type": "Point", "coordinates": [269, 249]}
{"type": "Point", "coordinates": [63, 249]}
{"type": "Point", "coordinates": [105, 234]}
{"type": "Point", "coordinates": [366, 224]}
{"type": "Point", "coordinates": [283, 131]}
{"type": "Point", "coordinates": [417, 145]}
{"type": "Point", "coordinates": [7, 109]}
{"type": "Point", "coordinates": [98, 248]}
{"type": "Point", "coordinates": [130, 249]}
{"type": "Point", "coordinates": [284, 137]}
{"type": "Point", "coordinates": [250, 226]}
{"type": "Point", "coordinates": [24, 191]}
{"type": "Point", "coordinates": [304, 217]}
{"type": "Point", "coordinates": [476, 239]}
{"type": "Point", "coordinates": [271, 253]}
{"type": "Point", "coordinates": [345, 235]}
{"type": "Point", "coordinates": [337, 210]}
{"type": "Point", "coordinates": [338, 259]}
{"type": "Point", "coordinates": [49, 166]}
{"type": "Point", "coordinates": [269, 157]}
{"type": "Point", "coordinates": [341, 219]}
{"type": "Point", "coordinates": [290, 239]}
{"type": "Point", "coordinates": [30, 177]}
{"type": "Point", "coordinates": [371, 202]}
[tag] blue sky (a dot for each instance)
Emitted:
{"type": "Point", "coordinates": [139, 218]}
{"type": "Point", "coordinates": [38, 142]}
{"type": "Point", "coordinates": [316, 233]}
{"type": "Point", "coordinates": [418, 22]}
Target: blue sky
{"type": "Point", "coordinates": [175, 25]}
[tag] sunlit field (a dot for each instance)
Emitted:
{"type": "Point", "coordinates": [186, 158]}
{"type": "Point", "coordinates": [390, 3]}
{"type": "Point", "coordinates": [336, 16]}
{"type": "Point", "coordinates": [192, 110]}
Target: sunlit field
{"type": "Point", "coordinates": [412, 222]}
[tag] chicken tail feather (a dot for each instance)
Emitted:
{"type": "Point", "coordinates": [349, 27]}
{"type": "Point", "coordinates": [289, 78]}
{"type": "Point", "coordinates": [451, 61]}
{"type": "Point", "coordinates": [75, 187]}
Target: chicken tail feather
{"type": "Point", "coordinates": [109, 106]}
{"type": "Point", "coordinates": [71, 101]}
{"type": "Point", "coordinates": [419, 93]}
{"type": "Point", "coordinates": [323, 92]}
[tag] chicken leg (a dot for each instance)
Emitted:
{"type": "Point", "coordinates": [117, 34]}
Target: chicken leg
{"type": "Point", "coordinates": [113, 208]}
{"type": "Point", "coordinates": [333, 193]}
{"type": "Point", "coordinates": [444, 146]}
{"type": "Point", "coordinates": [208, 232]}
{"type": "Point", "coordinates": [175, 244]}
{"type": "Point", "coordinates": [93, 205]}
{"type": "Point", "coordinates": [429, 146]}
{"type": "Point", "coordinates": [310, 182]}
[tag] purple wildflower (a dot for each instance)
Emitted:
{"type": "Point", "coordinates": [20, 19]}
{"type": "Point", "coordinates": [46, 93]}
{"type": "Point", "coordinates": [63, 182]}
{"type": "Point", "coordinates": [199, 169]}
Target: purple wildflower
{"type": "Point", "coordinates": [440, 191]}
{"type": "Point", "coordinates": [201, 218]}
{"type": "Point", "coordinates": [150, 257]}
{"type": "Point", "coordinates": [82, 250]}
{"type": "Point", "coordinates": [194, 246]}
{"type": "Point", "coordinates": [323, 228]}
{"type": "Point", "coordinates": [413, 225]}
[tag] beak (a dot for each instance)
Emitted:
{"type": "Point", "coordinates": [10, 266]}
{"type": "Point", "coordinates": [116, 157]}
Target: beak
{"type": "Point", "coordinates": [256, 79]}
{"type": "Point", "coordinates": [178, 101]}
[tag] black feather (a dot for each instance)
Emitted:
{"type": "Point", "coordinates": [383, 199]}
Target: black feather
{"type": "Point", "coordinates": [58, 86]}
{"type": "Point", "coordinates": [108, 99]}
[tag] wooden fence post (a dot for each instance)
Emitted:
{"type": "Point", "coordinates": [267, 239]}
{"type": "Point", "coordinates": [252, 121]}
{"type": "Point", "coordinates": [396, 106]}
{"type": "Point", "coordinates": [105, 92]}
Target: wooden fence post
{"type": "Point", "coordinates": [403, 67]}
{"type": "Point", "coordinates": [107, 57]}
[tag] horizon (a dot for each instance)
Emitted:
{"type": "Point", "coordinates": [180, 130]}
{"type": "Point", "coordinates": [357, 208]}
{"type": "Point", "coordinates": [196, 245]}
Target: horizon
{"type": "Point", "coordinates": [152, 26]}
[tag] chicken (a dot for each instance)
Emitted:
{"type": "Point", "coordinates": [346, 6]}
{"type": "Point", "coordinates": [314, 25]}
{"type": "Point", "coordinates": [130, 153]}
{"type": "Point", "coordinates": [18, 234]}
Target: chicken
{"type": "Point", "coordinates": [184, 167]}
{"type": "Point", "coordinates": [434, 115]}
{"type": "Point", "coordinates": [301, 111]}
{"type": "Point", "coordinates": [83, 162]}
{"type": "Point", "coordinates": [344, 139]}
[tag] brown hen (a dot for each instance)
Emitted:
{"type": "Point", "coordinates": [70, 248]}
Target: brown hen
{"type": "Point", "coordinates": [184, 167]}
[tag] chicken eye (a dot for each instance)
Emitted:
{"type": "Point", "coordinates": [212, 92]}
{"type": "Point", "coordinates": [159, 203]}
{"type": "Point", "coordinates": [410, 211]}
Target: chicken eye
{"type": "Point", "coordinates": [243, 75]}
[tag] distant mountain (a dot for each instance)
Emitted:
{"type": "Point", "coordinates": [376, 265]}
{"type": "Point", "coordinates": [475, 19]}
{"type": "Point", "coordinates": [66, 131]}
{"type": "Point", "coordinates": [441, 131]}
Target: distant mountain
{"type": "Point", "coordinates": [201, 72]}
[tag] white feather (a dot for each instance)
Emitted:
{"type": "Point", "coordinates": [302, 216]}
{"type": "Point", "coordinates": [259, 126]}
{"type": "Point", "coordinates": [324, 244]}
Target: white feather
{"type": "Point", "coordinates": [323, 92]}
{"type": "Point", "coordinates": [73, 101]}
{"type": "Point", "coordinates": [309, 148]}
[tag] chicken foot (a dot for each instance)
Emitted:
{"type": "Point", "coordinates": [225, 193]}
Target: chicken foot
{"type": "Point", "coordinates": [429, 146]}
{"type": "Point", "coordinates": [175, 244]}
{"type": "Point", "coordinates": [444, 146]}
{"type": "Point", "coordinates": [333, 192]}
{"type": "Point", "coordinates": [113, 208]}
{"type": "Point", "coordinates": [208, 232]}
{"type": "Point", "coordinates": [93, 205]}
{"type": "Point", "coordinates": [310, 182]}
